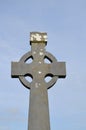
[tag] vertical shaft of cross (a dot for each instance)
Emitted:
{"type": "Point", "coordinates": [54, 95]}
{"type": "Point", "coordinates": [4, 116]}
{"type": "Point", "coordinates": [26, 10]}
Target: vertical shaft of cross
{"type": "Point", "coordinates": [38, 110]}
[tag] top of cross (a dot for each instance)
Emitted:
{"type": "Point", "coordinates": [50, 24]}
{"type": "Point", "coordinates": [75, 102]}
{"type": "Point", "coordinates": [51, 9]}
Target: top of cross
{"type": "Point", "coordinates": [38, 37]}
{"type": "Point", "coordinates": [39, 69]}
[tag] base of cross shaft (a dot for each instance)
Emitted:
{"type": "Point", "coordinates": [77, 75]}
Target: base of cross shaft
{"type": "Point", "coordinates": [38, 108]}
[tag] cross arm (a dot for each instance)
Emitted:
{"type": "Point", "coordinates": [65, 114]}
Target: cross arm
{"type": "Point", "coordinates": [20, 69]}
{"type": "Point", "coordinates": [58, 69]}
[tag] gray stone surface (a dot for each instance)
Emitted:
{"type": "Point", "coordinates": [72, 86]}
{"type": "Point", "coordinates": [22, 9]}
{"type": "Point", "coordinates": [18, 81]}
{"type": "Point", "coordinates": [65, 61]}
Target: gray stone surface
{"type": "Point", "coordinates": [38, 70]}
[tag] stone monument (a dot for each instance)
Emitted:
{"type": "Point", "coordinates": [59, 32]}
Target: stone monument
{"type": "Point", "coordinates": [38, 70]}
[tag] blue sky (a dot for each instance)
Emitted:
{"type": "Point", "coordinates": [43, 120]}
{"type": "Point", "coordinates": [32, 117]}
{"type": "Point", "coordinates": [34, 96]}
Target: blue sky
{"type": "Point", "coordinates": [65, 23]}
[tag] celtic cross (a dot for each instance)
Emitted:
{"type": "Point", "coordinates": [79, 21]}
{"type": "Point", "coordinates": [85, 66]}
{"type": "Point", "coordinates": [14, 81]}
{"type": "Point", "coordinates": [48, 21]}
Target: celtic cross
{"type": "Point", "coordinates": [43, 65]}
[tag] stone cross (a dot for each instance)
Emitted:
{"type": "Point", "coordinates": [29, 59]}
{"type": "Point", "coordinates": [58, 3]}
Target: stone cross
{"type": "Point", "coordinates": [32, 70]}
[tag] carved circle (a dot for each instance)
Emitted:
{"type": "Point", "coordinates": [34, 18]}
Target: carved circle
{"type": "Point", "coordinates": [48, 84]}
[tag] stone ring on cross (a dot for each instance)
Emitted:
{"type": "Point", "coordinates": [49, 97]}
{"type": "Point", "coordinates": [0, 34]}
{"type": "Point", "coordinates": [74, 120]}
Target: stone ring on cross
{"type": "Point", "coordinates": [31, 68]}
